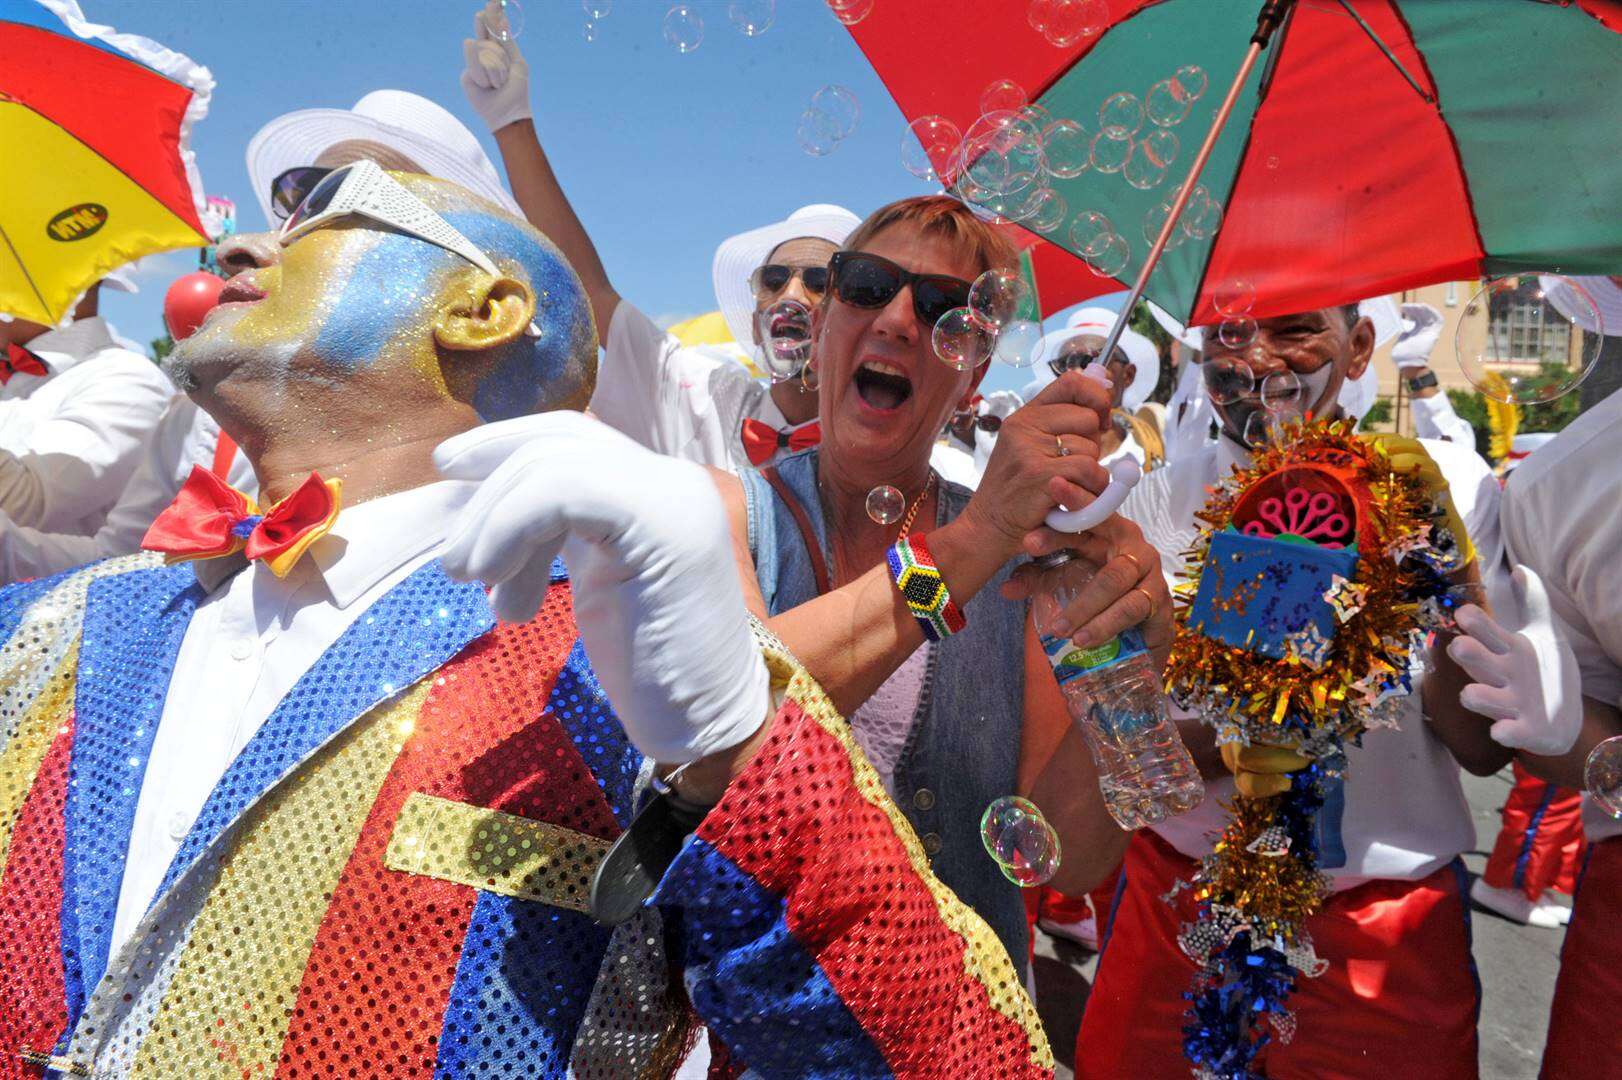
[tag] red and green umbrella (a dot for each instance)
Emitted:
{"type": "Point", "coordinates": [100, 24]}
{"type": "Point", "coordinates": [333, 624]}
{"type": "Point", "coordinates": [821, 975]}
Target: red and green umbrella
{"type": "Point", "coordinates": [1377, 145]}
{"type": "Point", "coordinates": [95, 170]}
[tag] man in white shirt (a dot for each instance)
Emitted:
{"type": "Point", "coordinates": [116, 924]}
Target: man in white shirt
{"type": "Point", "coordinates": [75, 412]}
{"type": "Point", "coordinates": [1399, 996]}
{"type": "Point", "coordinates": [674, 400]}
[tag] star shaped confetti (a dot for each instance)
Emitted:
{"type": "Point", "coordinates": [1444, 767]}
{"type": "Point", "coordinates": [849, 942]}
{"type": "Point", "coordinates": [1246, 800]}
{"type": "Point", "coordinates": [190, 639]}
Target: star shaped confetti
{"type": "Point", "coordinates": [1404, 546]}
{"type": "Point", "coordinates": [1308, 646]}
{"type": "Point", "coordinates": [1272, 843]}
{"type": "Point", "coordinates": [1345, 597]}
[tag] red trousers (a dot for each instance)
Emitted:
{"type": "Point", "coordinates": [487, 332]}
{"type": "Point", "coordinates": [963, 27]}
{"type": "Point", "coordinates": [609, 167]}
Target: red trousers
{"type": "Point", "coordinates": [1399, 999]}
{"type": "Point", "coordinates": [1585, 1042]}
{"type": "Point", "coordinates": [1540, 844]}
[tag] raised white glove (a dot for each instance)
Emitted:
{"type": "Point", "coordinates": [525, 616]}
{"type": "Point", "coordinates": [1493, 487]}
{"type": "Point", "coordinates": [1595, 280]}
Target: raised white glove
{"type": "Point", "coordinates": [1421, 328]}
{"type": "Point", "coordinates": [496, 79]}
{"type": "Point", "coordinates": [645, 537]}
{"type": "Point", "coordinates": [1526, 679]}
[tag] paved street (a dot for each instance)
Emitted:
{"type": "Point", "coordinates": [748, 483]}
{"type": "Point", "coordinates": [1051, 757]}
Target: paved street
{"type": "Point", "coordinates": [1517, 965]}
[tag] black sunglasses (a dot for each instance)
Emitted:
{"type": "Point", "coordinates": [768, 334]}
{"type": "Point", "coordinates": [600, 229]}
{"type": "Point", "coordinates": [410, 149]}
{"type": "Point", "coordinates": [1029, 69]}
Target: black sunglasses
{"type": "Point", "coordinates": [871, 281]}
{"type": "Point", "coordinates": [772, 278]}
{"type": "Point", "coordinates": [962, 426]}
{"type": "Point", "coordinates": [1079, 359]}
{"type": "Point", "coordinates": [293, 186]}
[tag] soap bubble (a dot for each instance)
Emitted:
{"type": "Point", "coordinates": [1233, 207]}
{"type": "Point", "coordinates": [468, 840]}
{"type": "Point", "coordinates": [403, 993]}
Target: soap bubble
{"type": "Point", "coordinates": [1049, 212]}
{"type": "Point", "coordinates": [1121, 115]}
{"type": "Point", "coordinates": [1020, 841]}
{"type": "Point", "coordinates": [1602, 775]}
{"type": "Point", "coordinates": [1110, 153]}
{"type": "Point", "coordinates": [850, 12]}
{"type": "Point", "coordinates": [1113, 259]}
{"type": "Point", "coordinates": [588, 30]}
{"type": "Point", "coordinates": [1167, 103]}
{"type": "Point", "coordinates": [684, 27]}
{"type": "Point", "coordinates": [817, 133]}
{"type": "Point", "coordinates": [1237, 332]}
{"type": "Point", "coordinates": [1235, 296]}
{"type": "Point", "coordinates": [1090, 233]}
{"type": "Point", "coordinates": [1017, 343]}
{"type": "Point", "coordinates": [1065, 147]}
{"type": "Point", "coordinates": [1142, 171]}
{"type": "Point", "coordinates": [1525, 339]}
{"type": "Point", "coordinates": [1192, 79]}
{"type": "Point", "coordinates": [961, 342]}
{"type": "Point", "coordinates": [1227, 379]}
{"type": "Point", "coordinates": [886, 505]}
{"type": "Point", "coordinates": [752, 17]}
{"type": "Point", "coordinates": [929, 145]}
{"type": "Point", "coordinates": [1262, 429]}
{"type": "Point", "coordinates": [1004, 95]}
{"type": "Point", "coordinates": [1064, 22]}
{"type": "Point", "coordinates": [1035, 114]}
{"type": "Point", "coordinates": [785, 329]}
{"type": "Point", "coordinates": [841, 106]}
{"type": "Point", "coordinates": [996, 297]}
{"type": "Point", "coordinates": [1003, 153]}
{"type": "Point", "coordinates": [511, 23]}
{"type": "Point", "coordinates": [596, 9]}
{"type": "Point", "coordinates": [1282, 395]}
{"type": "Point", "coordinates": [1203, 215]}
{"type": "Point", "coordinates": [1160, 146]}
{"type": "Point", "coordinates": [1154, 219]}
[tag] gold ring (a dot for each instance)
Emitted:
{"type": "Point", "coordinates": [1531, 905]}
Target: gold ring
{"type": "Point", "coordinates": [1134, 558]}
{"type": "Point", "coordinates": [1146, 596]}
{"type": "Point", "coordinates": [1064, 451]}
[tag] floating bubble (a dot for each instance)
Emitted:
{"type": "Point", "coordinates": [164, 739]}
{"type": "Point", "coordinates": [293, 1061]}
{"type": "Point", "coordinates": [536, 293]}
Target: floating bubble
{"type": "Point", "coordinates": [1525, 339]}
{"type": "Point", "coordinates": [1227, 379]}
{"type": "Point", "coordinates": [1262, 429]}
{"type": "Point", "coordinates": [1602, 775]}
{"type": "Point", "coordinates": [1090, 233]}
{"type": "Point", "coordinates": [1234, 297]}
{"type": "Point", "coordinates": [996, 297]}
{"type": "Point", "coordinates": [1003, 153]}
{"type": "Point", "coordinates": [961, 342]}
{"type": "Point", "coordinates": [511, 23]}
{"type": "Point", "coordinates": [1035, 114]}
{"type": "Point", "coordinates": [1191, 78]}
{"type": "Point", "coordinates": [684, 28]}
{"type": "Point", "coordinates": [596, 9]}
{"type": "Point", "coordinates": [929, 145]}
{"type": "Point", "coordinates": [752, 17]}
{"type": "Point", "coordinates": [785, 334]}
{"type": "Point", "coordinates": [886, 504]}
{"type": "Point", "coordinates": [1167, 103]}
{"type": "Point", "coordinates": [1282, 395]}
{"type": "Point", "coordinates": [1018, 342]}
{"type": "Point", "coordinates": [1049, 212]}
{"type": "Point", "coordinates": [1020, 841]}
{"type": "Point", "coordinates": [850, 12]}
{"type": "Point", "coordinates": [1154, 219]}
{"type": "Point", "coordinates": [1142, 171]}
{"type": "Point", "coordinates": [588, 30]}
{"type": "Point", "coordinates": [1065, 148]}
{"type": "Point", "coordinates": [1203, 215]}
{"type": "Point", "coordinates": [1237, 332]}
{"type": "Point", "coordinates": [1160, 146]}
{"type": "Point", "coordinates": [1121, 115]}
{"type": "Point", "coordinates": [817, 133]}
{"type": "Point", "coordinates": [1113, 259]}
{"type": "Point", "coordinates": [841, 106]}
{"type": "Point", "coordinates": [1004, 95]}
{"type": "Point", "coordinates": [1065, 22]}
{"type": "Point", "coordinates": [1110, 153]}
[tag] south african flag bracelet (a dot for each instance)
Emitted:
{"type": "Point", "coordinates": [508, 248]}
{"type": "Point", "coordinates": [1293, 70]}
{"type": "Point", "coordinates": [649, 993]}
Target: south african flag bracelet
{"type": "Point", "coordinates": [914, 572]}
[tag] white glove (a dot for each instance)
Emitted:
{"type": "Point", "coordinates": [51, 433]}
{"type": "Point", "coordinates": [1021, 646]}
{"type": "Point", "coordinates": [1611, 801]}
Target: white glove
{"type": "Point", "coordinates": [1421, 327]}
{"type": "Point", "coordinates": [1525, 679]}
{"type": "Point", "coordinates": [496, 79]}
{"type": "Point", "coordinates": [645, 537]}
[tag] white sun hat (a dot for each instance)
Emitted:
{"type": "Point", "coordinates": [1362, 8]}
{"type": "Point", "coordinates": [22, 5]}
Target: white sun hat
{"type": "Point", "coordinates": [1605, 293]}
{"type": "Point", "coordinates": [405, 122]}
{"type": "Point", "coordinates": [1097, 322]}
{"type": "Point", "coordinates": [738, 256]}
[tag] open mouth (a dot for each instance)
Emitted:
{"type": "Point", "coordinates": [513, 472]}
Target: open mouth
{"type": "Point", "coordinates": [240, 291]}
{"type": "Point", "coordinates": [882, 386]}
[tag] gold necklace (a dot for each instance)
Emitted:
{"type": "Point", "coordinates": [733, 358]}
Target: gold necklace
{"type": "Point", "coordinates": [906, 522]}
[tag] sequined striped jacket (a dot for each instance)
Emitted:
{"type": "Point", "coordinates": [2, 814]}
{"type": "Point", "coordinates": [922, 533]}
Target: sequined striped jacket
{"type": "Point", "coordinates": [390, 879]}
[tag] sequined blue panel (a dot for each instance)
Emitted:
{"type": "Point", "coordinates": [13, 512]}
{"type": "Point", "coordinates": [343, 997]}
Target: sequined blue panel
{"type": "Point", "coordinates": [15, 600]}
{"type": "Point", "coordinates": [583, 710]}
{"type": "Point", "coordinates": [754, 985]}
{"type": "Point", "coordinates": [133, 626]}
{"type": "Point", "coordinates": [416, 627]}
{"type": "Point", "coordinates": [522, 984]}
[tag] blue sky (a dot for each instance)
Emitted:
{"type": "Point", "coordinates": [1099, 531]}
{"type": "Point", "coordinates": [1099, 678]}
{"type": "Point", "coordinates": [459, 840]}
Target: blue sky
{"type": "Point", "coordinates": [663, 154]}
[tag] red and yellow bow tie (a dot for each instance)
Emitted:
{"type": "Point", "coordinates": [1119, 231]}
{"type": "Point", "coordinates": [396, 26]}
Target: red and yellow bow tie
{"type": "Point", "coordinates": [210, 518]}
{"type": "Point", "coordinates": [19, 361]}
{"type": "Point", "coordinates": [761, 440]}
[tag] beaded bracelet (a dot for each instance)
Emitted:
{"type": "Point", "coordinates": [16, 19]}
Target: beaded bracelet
{"type": "Point", "coordinates": [914, 572]}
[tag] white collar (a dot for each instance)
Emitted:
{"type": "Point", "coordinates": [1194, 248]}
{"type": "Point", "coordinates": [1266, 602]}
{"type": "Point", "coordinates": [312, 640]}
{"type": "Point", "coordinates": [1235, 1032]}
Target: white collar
{"type": "Point", "coordinates": [79, 340]}
{"type": "Point", "coordinates": [373, 539]}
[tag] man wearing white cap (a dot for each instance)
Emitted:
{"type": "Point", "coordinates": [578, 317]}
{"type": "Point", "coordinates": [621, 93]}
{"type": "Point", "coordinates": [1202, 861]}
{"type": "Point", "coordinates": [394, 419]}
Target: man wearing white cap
{"type": "Point", "coordinates": [674, 400]}
{"type": "Point", "coordinates": [1134, 369]}
{"type": "Point", "coordinates": [75, 411]}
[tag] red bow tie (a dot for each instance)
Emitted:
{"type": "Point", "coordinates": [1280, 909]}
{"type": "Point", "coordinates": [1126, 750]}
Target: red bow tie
{"type": "Point", "coordinates": [761, 440]}
{"type": "Point", "coordinates": [19, 361]}
{"type": "Point", "coordinates": [210, 518]}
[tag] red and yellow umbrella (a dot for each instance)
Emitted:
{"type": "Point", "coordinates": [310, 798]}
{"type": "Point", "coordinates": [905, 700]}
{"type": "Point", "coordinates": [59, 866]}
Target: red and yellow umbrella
{"type": "Point", "coordinates": [96, 170]}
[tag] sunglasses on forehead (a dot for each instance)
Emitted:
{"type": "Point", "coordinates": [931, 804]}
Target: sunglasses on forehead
{"type": "Point", "coordinates": [872, 281]}
{"type": "Point", "coordinates": [771, 279]}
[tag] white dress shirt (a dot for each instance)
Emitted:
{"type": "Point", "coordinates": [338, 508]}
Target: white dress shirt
{"type": "Point", "coordinates": [1562, 518]}
{"type": "Point", "coordinates": [186, 436]}
{"type": "Point", "coordinates": [1434, 418]}
{"type": "Point", "coordinates": [685, 401]}
{"type": "Point", "coordinates": [247, 644]}
{"type": "Point", "coordinates": [71, 439]}
{"type": "Point", "coordinates": [1405, 813]}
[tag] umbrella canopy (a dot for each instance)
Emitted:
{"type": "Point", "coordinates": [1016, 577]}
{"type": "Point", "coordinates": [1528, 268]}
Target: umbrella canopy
{"type": "Point", "coordinates": [96, 167]}
{"type": "Point", "coordinates": [1381, 145]}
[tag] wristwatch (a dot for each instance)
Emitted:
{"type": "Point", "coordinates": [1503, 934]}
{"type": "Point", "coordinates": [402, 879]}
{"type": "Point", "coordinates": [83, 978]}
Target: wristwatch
{"type": "Point", "coordinates": [1422, 382]}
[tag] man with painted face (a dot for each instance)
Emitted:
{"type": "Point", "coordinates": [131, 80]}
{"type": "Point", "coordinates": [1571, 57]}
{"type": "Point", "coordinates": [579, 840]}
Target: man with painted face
{"type": "Point", "coordinates": [286, 798]}
{"type": "Point", "coordinates": [1399, 995]}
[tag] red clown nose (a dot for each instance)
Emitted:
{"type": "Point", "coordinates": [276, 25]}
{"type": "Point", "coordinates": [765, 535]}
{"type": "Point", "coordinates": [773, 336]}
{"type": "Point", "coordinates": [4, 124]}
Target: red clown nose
{"type": "Point", "coordinates": [188, 302]}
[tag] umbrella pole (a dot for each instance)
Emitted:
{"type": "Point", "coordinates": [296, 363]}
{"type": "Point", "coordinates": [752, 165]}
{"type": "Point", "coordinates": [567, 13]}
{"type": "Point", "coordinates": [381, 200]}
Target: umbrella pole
{"type": "Point", "coordinates": [1271, 15]}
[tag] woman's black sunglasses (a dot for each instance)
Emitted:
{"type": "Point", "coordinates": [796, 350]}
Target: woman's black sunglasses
{"type": "Point", "coordinates": [871, 281]}
{"type": "Point", "coordinates": [771, 279]}
{"type": "Point", "coordinates": [293, 186]}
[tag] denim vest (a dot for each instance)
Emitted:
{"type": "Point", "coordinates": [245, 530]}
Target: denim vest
{"type": "Point", "coordinates": [963, 749]}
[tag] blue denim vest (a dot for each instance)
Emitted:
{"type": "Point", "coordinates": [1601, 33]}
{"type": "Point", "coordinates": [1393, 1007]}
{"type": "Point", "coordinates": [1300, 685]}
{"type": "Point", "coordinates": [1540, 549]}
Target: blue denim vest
{"type": "Point", "coordinates": [963, 750]}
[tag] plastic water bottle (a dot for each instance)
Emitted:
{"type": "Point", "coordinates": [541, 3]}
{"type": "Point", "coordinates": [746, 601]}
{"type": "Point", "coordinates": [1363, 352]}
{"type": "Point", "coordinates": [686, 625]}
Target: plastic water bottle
{"type": "Point", "coordinates": [1114, 692]}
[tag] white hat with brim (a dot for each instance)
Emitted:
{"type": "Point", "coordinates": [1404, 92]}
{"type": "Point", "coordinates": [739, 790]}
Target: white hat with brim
{"type": "Point", "coordinates": [1097, 322]}
{"type": "Point", "coordinates": [1606, 297]}
{"type": "Point", "coordinates": [738, 256]}
{"type": "Point", "coordinates": [411, 125]}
